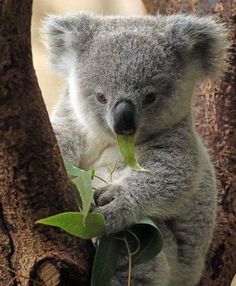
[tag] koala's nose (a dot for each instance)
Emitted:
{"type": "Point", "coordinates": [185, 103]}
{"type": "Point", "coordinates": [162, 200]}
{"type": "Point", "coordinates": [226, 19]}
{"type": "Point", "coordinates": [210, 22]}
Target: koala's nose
{"type": "Point", "coordinates": [124, 117]}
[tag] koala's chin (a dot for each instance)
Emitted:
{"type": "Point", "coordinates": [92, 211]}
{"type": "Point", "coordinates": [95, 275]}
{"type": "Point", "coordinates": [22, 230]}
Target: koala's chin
{"type": "Point", "coordinates": [136, 76]}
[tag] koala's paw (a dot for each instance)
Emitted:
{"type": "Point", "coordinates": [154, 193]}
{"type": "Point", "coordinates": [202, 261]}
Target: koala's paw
{"type": "Point", "coordinates": [112, 202]}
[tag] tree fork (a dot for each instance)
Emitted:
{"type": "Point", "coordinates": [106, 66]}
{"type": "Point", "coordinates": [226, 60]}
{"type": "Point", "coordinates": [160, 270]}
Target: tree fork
{"type": "Point", "coordinates": [33, 182]}
{"type": "Point", "coordinates": [215, 108]}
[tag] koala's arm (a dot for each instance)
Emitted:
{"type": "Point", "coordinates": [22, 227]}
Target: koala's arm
{"type": "Point", "coordinates": [160, 193]}
{"type": "Point", "coordinates": [69, 142]}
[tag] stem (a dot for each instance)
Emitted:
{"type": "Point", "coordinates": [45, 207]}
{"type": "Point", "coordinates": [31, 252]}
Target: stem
{"type": "Point", "coordinates": [112, 171]}
{"type": "Point", "coordinates": [130, 261]}
{"type": "Point", "coordinates": [135, 236]}
{"type": "Point", "coordinates": [100, 178]}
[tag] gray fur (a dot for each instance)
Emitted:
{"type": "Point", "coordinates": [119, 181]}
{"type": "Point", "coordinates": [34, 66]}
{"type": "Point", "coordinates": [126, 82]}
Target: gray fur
{"type": "Point", "coordinates": [125, 58]}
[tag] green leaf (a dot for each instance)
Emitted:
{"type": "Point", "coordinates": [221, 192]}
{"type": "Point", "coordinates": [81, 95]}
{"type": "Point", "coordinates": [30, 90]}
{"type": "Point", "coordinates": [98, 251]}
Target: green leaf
{"type": "Point", "coordinates": [84, 186]}
{"type": "Point", "coordinates": [73, 171]}
{"type": "Point", "coordinates": [127, 149]}
{"type": "Point", "coordinates": [72, 222]}
{"type": "Point", "coordinates": [150, 240]}
{"type": "Point", "coordinates": [105, 260]}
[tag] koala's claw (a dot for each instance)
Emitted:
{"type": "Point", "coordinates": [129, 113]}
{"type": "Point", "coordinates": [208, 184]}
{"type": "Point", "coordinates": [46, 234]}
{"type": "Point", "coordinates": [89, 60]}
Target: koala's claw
{"type": "Point", "coordinates": [111, 218]}
{"type": "Point", "coordinates": [109, 202]}
{"type": "Point", "coordinates": [105, 195]}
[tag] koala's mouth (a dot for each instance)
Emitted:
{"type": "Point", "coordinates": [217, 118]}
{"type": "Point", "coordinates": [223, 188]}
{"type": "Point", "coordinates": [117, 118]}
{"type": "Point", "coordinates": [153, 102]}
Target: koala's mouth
{"type": "Point", "coordinates": [124, 114]}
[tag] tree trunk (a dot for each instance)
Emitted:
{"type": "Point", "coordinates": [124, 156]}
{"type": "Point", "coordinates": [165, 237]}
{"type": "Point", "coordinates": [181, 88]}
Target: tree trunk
{"type": "Point", "coordinates": [215, 108]}
{"type": "Point", "coordinates": [33, 182]}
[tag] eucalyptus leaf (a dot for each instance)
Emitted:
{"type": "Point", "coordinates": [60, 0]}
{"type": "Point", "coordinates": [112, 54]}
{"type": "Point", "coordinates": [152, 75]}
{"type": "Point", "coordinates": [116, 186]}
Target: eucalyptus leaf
{"type": "Point", "coordinates": [73, 171]}
{"type": "Point", "coordinates": [73, 223]}
{"type": "Point", "coordinates": [127, 149]}
{"type": "Point", "coordinates": [150, 241]}
{"type": "Point", "coordinates": [105, 260]}
{"type": "Point", "coordinates": [84, 186]}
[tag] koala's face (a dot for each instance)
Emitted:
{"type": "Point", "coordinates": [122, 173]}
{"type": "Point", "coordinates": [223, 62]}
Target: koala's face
{"type": "Point", "coordinates": [134, 75]}
{"type": "Point", "coordinates": [126, 81]}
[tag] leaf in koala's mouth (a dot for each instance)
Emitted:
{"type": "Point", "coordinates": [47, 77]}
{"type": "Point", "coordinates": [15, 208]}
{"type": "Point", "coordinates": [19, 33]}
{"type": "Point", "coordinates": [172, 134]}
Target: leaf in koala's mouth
{"type": "Point", "coordinates": [127, 149]}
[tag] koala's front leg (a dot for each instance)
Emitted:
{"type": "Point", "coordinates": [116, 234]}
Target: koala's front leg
{"type": "Point", "coordinates": [158, 193]}
{"type": "Point", "coordinates": [115, 202]}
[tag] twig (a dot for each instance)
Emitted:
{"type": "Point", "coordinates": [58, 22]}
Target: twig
{"type": "Point", "coordinates": [12, 280]}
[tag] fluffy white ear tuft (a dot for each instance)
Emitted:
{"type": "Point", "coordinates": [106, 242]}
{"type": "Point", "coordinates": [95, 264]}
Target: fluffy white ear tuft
{"type": "Point", "coordinates": [66, 36]}
{"type": "Point", "coordinates": [201, 41]}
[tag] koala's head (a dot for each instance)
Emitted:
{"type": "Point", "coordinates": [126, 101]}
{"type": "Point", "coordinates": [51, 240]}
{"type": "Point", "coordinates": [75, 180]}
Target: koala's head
{"type": "Point", "coordinates": [134, 74]}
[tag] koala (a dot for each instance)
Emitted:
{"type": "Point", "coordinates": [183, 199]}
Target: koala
{"type": "Point", "coordinates": [136, 76]}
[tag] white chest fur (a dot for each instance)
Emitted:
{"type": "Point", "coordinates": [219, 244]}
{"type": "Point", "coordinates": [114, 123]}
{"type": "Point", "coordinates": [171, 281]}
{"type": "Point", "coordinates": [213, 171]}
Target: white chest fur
{"type": "Point", "coordinates": [105, 159]}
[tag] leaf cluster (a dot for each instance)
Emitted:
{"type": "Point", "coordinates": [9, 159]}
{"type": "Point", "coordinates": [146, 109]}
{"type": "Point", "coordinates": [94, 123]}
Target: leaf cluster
{"type": "Point", "coordinates": [140, 243]}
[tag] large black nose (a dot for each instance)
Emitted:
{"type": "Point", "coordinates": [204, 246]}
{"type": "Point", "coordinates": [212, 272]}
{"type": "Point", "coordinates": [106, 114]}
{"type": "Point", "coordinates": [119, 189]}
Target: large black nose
{"type": "Point", "coordinates": [124, 117]}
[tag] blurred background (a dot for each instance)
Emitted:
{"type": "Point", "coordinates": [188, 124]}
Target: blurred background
{"type": "Point", "coordinates": [51, 84]}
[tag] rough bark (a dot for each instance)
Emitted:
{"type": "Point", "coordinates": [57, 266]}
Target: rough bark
{"type": "Point", "coordinates": [33, 182]}
{"type": "Point", "coordinates": [215, 107]}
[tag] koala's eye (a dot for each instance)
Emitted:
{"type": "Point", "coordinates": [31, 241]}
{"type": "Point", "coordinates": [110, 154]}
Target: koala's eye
{"type": "Point", "coordinates": [101, 98]}
{"type": "Point", "coordinates": [149, 98]}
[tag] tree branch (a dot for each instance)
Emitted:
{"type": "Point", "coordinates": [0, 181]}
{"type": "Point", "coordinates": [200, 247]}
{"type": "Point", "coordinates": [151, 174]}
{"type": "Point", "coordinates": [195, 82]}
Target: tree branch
{"type": "Point", "coordinates": [33, 182]}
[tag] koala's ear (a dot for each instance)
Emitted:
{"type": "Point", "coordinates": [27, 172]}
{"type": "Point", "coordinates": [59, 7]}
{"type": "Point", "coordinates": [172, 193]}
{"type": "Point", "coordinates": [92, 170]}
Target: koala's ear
{"type": "Point", "coordinates": [200, 41]}
{"type": "Point", "coordinates": [65, 36]}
